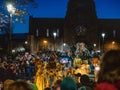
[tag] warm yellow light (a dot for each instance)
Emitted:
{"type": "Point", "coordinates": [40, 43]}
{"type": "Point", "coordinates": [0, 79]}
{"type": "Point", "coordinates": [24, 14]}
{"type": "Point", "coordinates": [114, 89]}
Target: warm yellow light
{"type": "Point", "coordinates": [44, 41]}
{"type": "Point", "coordinates": [113, 42]}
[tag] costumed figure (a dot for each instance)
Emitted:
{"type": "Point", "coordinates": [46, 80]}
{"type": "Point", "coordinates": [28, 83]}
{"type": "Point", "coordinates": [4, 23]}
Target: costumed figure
{"type": "Point", "coordinates": [39, 80]}
{"type": "Point", "coordinates": [84, 69]}
{"type": "Point", "coordinates": [51, 72]}
{"type": "Point", "coordinates": [82, 51]}
{"type": "Point", "coordinates": [59, 72]}
{"type": "Point", "coordinates": [69, 72]}
{"type": "Point", "coordinates": [77, 61]}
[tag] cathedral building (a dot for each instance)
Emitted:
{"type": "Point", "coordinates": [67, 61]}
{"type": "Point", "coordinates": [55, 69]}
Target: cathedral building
{"type": "Point", "coordinates": [80, 24]}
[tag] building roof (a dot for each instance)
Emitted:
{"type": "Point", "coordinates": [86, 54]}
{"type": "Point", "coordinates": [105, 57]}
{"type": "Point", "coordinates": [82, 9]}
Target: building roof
{"type": "Point", "coordinates": [19, 36]}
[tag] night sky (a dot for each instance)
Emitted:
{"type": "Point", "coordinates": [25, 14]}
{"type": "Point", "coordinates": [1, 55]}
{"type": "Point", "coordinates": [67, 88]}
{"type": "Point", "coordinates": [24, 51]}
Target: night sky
{"type": "Point", "coordinates": [108, 9]}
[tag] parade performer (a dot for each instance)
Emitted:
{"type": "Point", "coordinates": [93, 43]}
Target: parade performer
{"type": "Point", "coordinates": [84, 69]}
{"type": "Point", "coordinates": [42, 79]}
{"type": "Point", "coordinates": [82, 51]}
{"type": "Point", "coordinates": [77, 61]}
{"type": "Point", "coordinates": [39, 80]}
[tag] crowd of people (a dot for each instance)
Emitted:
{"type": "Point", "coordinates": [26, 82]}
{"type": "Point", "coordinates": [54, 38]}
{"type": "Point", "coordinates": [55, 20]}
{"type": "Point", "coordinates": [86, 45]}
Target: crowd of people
{"type": "Point", "coordinates": [51, 70]}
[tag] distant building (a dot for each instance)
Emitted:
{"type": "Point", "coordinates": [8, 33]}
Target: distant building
{"type": "Point", "coordinates": [43, 29]}
{"type": "Point", "coordinates": [80, 20]}
{"type": "Point", "coordinates": [79, 25]}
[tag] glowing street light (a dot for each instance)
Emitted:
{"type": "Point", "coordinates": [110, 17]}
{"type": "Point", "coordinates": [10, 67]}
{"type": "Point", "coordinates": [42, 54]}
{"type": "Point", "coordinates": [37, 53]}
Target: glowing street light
{"type": "Point", "coordinates": [26, 42]}
{"type": "Point", "coordinates": [94, 45]}
{"type": "Point", "coordinates": [103, 36]}
{"type": "Point", "coordinates": [54, 34]}
{"type": "Point", "coordinates": [11, 11]}
{"type": "Point", "coordinates": [64, 44]}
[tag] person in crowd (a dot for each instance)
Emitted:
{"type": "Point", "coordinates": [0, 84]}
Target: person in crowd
{"type": "Point", "coordinates": [57, 84]}
{"type": "Point", "coordinates": [87, 66]}
{"type": "Point", "coordinates": [2, 72]}
{"type": "Point", "coordinates": [85, 83]}
{"type": "Point", "coordinates": [11, 72]}
{"type": "Point", "coordinates": [83, 69]}
{"type": "Point", "coordinates": [47, 88]}
{"type": "Point", "coordinates": [1, 85]}
{"type": "Point", "coordinates": [109, 74]}
{"type": "Point", "coordinates": [70, 59]}
{"type": "Point", "coordinates": [22, 72]}
{"type": "Point", "coordinates": [93, 62]}
{"type": "Point", "coordinates": [32, 84]}
{"type": "Point", "coordinates": [40, 76]}
{"type": "Point", "coordinates": [68, 84]}
{"type": "Point", "coordinates": [77, 61]}
{"type": "Point", "coordinates": [20, 85]}
{"type": "Point", "coordinates": [7, 83]}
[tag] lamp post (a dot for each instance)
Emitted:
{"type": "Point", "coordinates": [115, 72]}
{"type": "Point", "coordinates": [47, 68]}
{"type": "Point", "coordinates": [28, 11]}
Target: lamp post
{"type": "Point", "coordinates": [11, 11]}
{"type": "Point", "coordinates": [103, 37]}
{"type": "Point", "coordinates": [94, 45]}
{"type": "Point", "coordinates": [64, 44]}
{"type": "Point", "coordinates": [26, 46]}
{"type": "Point", "coordinates": [54, 34]}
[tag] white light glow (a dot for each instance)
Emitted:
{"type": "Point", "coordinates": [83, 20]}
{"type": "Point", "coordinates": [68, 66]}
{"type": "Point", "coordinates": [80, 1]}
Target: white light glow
{"type": "Point", "coordinates": [103, 35]}
{"type": "Point", "coordinates": [54, 34]}
{"type": "Point", "coordinates": [64, 44]}
{"type": "Point", "coordinates": [11, 9]}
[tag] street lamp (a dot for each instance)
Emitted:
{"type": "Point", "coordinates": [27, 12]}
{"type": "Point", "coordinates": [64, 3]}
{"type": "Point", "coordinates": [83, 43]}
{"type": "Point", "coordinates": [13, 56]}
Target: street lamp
{"type": "Point", "coordinates": [64, 46]}
{"type": "Point", "coordinates": [26, 42]}
{"type": "Point", "coordinates": [11, 11]}
{"type": "Point", "coordinates": [103, 36]}
{"type": "Point", "coordinates": [54, 34]}
{"type": "Point", "coordinates": [94, 45]}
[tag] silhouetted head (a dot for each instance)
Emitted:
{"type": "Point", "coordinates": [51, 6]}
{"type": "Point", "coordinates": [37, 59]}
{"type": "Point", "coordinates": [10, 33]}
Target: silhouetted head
{"type": "Point", "coordinates": [110, 67]}
{"type": "Point", "coordinates": [84, 79]}
{"type": "Point", "coordinates": [20, 85]}
{"type": "Point", "coordinates": [68, 84]}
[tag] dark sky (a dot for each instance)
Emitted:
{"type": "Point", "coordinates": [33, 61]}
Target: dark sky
{"type": "Point", "coordinates": [57, 9]}
{"type": "Point", "coordinates": [108, 8]}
